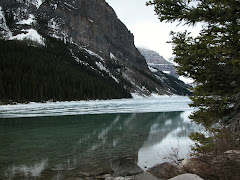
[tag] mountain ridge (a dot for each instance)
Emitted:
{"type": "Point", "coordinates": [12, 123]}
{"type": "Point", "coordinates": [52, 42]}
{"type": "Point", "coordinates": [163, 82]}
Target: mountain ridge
{"type": "Point", "coordinates": [157, 61]}
{"type": "Point", "coordinates": [87, 28]}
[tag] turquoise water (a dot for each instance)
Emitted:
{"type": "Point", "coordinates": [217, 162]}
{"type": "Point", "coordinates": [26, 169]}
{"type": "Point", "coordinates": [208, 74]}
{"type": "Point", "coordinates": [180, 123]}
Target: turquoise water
{"type": "Point", "coordinates": [33, 147]}
{"type": "Point", "coordinates": [59, 147]}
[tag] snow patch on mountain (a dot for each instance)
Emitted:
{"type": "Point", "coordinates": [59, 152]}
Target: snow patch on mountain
{"type": "Point", "coordinates": [57, 33]}
{"type": "Point", "coordinates": [136, 95]}
{"type": "Point", "coordinates": [152, 69]}
{"type": "Point", "coordinates": [1, 12]}
{"type": "Point", "coordinates": [138, 90]}
{"type": "Point", "coordinates": [93, 54]}
{"type": "Point", "coordinates": [186, 80]}
{"type": "Point", "coordinates": [30, 34]}
{"type": "Point", "coordinates": [69, 5]}
{"type": "Point", "coordinates": [53, 24]}
{"type": "Point", "coordinates": [112, 56]}
{"type": "Point", "coordinates": [54, 6]}
{"type": "Point", "coordinates": [91, 20]}
{"type": "Point", "coordinates": [29, 21]}
{"type": "Point", "coordinates": [103, 68]}
{"type": "Point", "coordinates": [167, 72]}
{"type": "Point", "coordinates": [36, 3]}
{"type": "Point", "coordinates": [4, 29]}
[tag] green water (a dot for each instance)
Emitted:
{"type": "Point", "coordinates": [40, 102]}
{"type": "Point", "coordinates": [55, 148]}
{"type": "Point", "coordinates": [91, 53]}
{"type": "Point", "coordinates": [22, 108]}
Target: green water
{"type": "Point", "coordinates": [60, 147]}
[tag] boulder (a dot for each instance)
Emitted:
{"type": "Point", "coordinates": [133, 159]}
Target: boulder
{"type": "Point", "coordinates": [125, 167]}
{"type": "Point", "coordinates": [165, 170]}
{"type": "Point", "coordinates": [145, 176]}
{"type": "Point", "coordinates": [186, 176]}
{"type": "Point", "coordinates": [196, 166]}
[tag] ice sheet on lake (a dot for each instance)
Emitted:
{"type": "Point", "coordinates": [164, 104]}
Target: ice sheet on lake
{"type": "Point", "coordinates": [140, 105]}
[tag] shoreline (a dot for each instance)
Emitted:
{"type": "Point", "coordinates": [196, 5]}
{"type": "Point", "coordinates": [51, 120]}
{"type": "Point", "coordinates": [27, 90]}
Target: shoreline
{"type": "Point", "coordinates": [134, 96]}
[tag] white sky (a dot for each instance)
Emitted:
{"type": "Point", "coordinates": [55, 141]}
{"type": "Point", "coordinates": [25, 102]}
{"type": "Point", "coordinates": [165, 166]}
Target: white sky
{"type": "Point", "coordinates": [148, 31]}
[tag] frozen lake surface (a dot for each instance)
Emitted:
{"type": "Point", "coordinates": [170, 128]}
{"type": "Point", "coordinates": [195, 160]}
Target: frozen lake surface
{"type": "Point", "coordinates": [139, 105]}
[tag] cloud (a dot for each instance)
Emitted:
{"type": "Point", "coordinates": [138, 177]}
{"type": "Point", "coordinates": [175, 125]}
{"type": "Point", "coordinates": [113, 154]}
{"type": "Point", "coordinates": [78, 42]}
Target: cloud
{"type": "Point", "coordinates": [154, 36]}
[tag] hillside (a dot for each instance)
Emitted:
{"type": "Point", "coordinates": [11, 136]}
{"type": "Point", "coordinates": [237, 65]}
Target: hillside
{"type": "Point", "coordinates": [45, 73]}
{"type": "Point", "coordinates": [71, 50]}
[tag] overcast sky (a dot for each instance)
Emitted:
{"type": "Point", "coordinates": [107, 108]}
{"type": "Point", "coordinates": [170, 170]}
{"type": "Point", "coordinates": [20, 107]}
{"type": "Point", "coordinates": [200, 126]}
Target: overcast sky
{"type": "Point", "coordinates": [144, 24]}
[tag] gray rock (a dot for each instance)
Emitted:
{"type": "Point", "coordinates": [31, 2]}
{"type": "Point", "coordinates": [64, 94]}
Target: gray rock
{"type": "Point", "coordinates": [75, 178]}
{"type": "Point", "coordinates": [145, 176]}
{"type": "Point", "coordinates": [84, 174]}
{"type": "Point", "coordinates": [164, 170]}
{"type": "Point", "coordinates": [71, 169]}
{"type": "Point", "coordinates": [119, 178]}
{"type": "Point", "coordinates": [197, 166]}
{"type": "Point", "coordinates": [186, 176]}
{"type": "Point", "coordinates": [125, 167]}
{"type": "Point", "coordinates": [95, 174]}
{"type": "Point", "coordinates": [104, 176]}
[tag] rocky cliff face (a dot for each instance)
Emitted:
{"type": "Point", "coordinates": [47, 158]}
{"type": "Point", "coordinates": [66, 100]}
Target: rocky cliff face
{"type": "Point", "coordinates": [90, 23]}
{"type": "Point", "coordinates": [93, 24]}
{"type": "Point", "coordinates": [86, 27]}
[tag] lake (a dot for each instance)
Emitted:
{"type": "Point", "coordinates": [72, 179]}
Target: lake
{"type": "Point", "coordinates": [57, 140]}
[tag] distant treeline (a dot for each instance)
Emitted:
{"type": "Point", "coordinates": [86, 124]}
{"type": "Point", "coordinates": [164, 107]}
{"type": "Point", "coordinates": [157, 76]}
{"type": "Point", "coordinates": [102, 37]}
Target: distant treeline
{"type": "Point", "coordinates": [41, 73]}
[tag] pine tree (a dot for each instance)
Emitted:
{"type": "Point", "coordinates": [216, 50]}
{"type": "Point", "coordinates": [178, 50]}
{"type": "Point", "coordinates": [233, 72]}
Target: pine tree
{"type": "Point", "coordinates": [212, 59]}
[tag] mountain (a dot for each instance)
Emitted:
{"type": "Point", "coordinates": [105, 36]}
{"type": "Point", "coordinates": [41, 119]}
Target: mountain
{"type": "Point", "coordinates": [155, 60]}
{"type": "Point", "coordinates": [71, 50]}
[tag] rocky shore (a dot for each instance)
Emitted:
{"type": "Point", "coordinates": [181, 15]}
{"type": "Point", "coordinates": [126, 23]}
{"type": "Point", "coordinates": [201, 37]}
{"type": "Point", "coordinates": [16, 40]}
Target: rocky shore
{"type": "Point", "coordinates": [218, 167]}
{"type": "Point", "coordinates": [125, 168]}
{"type": "Point", "coordinates": [207, 167]}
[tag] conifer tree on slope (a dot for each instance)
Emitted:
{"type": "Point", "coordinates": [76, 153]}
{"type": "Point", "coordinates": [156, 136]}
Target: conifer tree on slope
{"type": "Point", "coordinates": [212, 59]}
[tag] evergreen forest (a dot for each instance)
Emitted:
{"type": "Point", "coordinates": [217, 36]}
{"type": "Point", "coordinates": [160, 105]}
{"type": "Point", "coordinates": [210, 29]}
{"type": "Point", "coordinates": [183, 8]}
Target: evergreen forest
{"type": "Point", "coordinates": [41, 73]}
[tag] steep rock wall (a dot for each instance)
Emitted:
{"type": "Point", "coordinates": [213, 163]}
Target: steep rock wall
{"type": "Point", "coordinates": [94, 24]}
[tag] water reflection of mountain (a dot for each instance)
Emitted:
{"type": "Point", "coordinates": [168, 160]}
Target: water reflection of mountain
{"type": "Point", "coordinates": [80, 141]}
{"type": "Point", "coordinates": [165, 124]}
